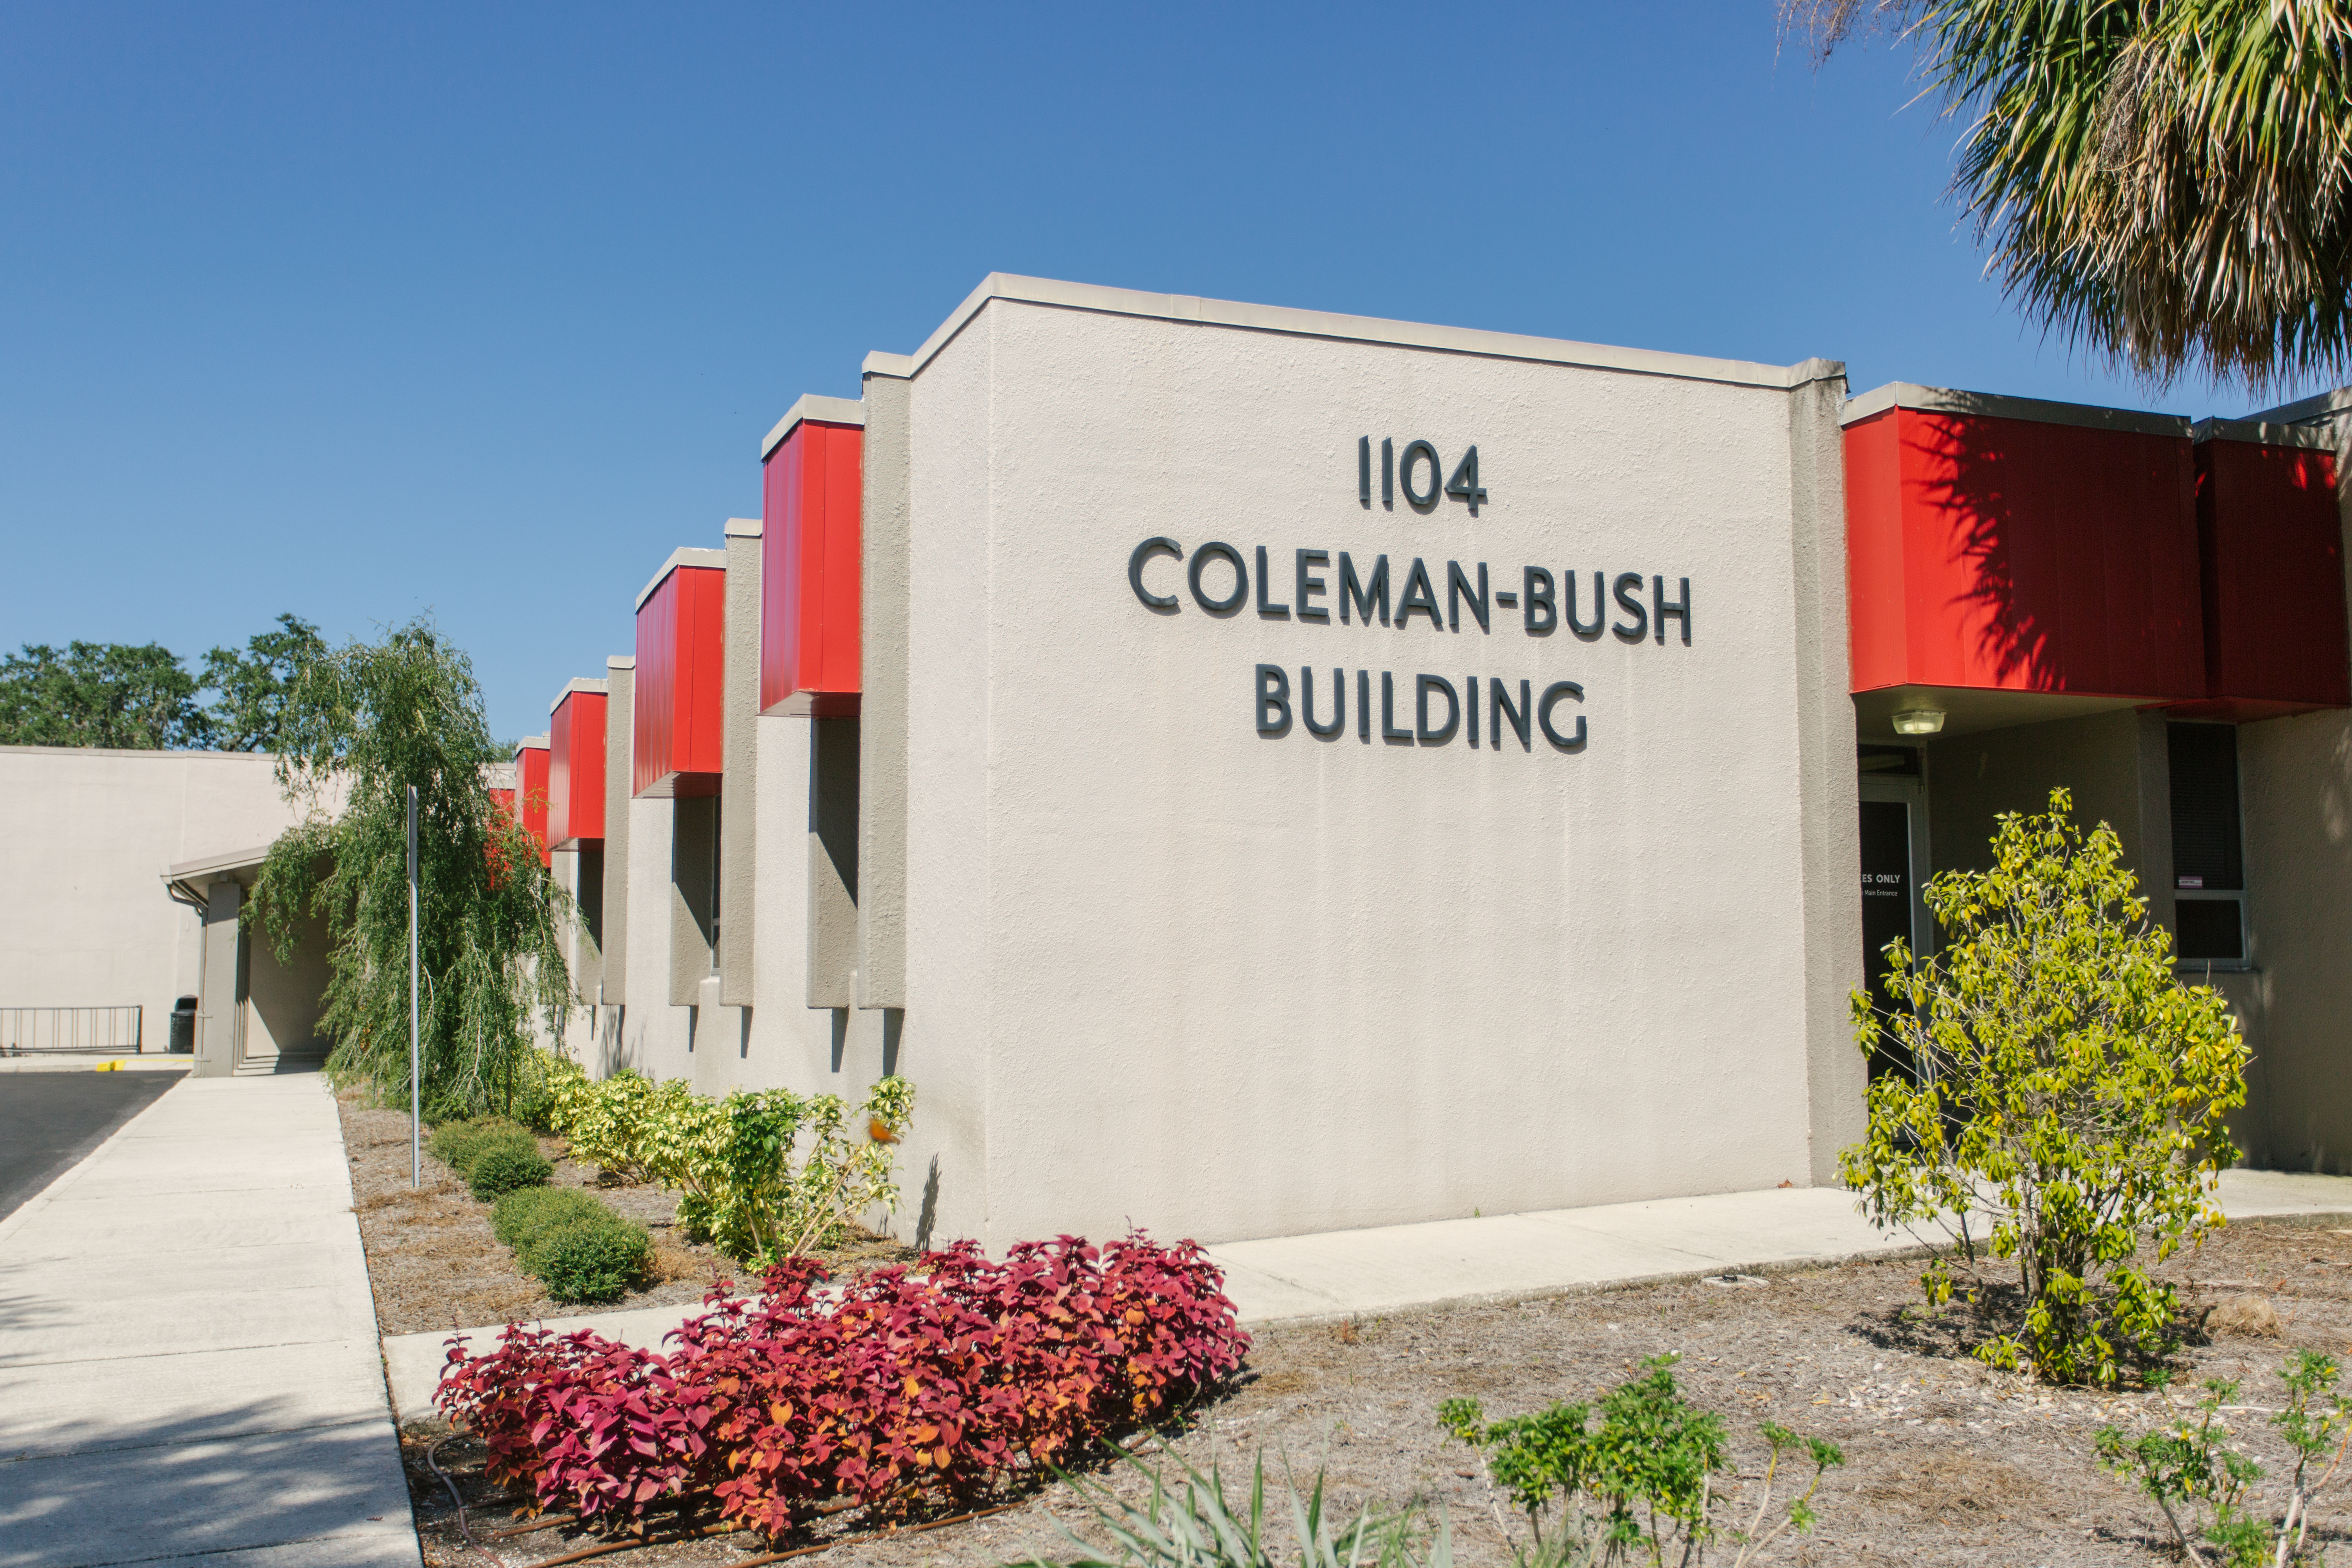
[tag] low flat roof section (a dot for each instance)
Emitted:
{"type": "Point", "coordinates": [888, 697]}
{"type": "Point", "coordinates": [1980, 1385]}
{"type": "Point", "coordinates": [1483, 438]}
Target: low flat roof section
{"type": "Point", "coordinates": [1993, 406]}
{"type": "Point", "coordinates": [574, 686]}
{"type": "Point", "coordinates": [2305, 410]}
{"type": "Point", "coordinates": [231, 862]}
{"type": "Point", "coordinates": [1192, 308]}
{"type": "Point", "coordinates": [2266, 433]}
{"type": "Point", "coordinates": [811, 406]}
{"type": "Point", "coordinates": [683, 556]}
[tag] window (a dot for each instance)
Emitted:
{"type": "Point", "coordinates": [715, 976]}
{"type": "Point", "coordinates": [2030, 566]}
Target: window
{"type": "Point", "coordinates": [2208, 877]}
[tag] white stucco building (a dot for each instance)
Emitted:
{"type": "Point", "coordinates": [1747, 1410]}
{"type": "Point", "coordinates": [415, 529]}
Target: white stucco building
{"type": "Point", "coordinates": [1259, 770]}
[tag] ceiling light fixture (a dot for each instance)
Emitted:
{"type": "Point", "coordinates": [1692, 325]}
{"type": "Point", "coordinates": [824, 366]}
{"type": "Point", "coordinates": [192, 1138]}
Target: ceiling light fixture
{"type": "Point", "coordinates": [1919, 721]}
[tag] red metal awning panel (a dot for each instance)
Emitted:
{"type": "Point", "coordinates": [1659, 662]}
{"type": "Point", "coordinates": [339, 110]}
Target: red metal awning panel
{"type": "Point", "coordinates": [680, 679]}
{"type": "Point", "coordinates": [2271, 546]}
{"type": "Point", "coordinates": [809, 544]}
{"type": "Point", "coordinates": [2019, 554]}
{"type": "Point", "coordinates": [531, 793]}
{"type": "Point", "coordinates": [575, 768]}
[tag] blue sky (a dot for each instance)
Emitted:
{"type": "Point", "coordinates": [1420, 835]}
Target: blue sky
{"type": "Point", "coordinates": [366, 312]}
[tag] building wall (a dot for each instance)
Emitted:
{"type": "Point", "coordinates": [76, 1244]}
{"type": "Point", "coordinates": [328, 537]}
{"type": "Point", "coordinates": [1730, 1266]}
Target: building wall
{"type": "Point", "coordinates": [1161, 969]}
{"type": "Point", "coordinates": [2297, 778]}
{"type": "Point", "coordinates": [89, 835]}
{"type": "Point", "coordinates": [2293, 1003]}
{"type": "Point", "coordinates": [651, 1033]}
{"type": "Point", "coordinates": [2112, 764]}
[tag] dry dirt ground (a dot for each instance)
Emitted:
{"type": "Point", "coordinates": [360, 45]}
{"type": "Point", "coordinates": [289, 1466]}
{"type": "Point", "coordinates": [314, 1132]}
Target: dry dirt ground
{"type": "Point", "coordinates": [1948, 1461]}
{"type": "Point", "coordinates": [434, 1264]}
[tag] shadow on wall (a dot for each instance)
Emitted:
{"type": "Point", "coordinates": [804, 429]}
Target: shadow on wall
{"type": "Point", "coordinates": [1969, 476]}
{"type": "Point", "coordinates": [926, 1217]}
{"type": "Point", "coordinates": [2070, 554]}
{"type": "Point", "coordinates": [610, 1056]}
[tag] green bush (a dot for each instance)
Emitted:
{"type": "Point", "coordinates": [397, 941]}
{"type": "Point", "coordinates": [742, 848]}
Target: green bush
{"type": "Point", "coordinates": [732, 1160]}
{"type": "Point", "coordinates": [578, 1249]}
{"type": "Point", "coordinates": [2192, 1466]}
{"type": "Point", "coordinates": [606, 1120]}
{"type": "Point", "coordinates": [526, 1212]}
{"type": "Point", "coordinates": [501, 1168]}
{"type": "Point", "coordinates": [2057, 1076]}
{"type": "Point", "coordinates": [458, 1145]}
{"type": "Point", "coordinates": [593, 1260]}
{"type": "Point", "coordinates": [1637, 1482]}
{"type": "Point", "coordinates": [538, 1082]}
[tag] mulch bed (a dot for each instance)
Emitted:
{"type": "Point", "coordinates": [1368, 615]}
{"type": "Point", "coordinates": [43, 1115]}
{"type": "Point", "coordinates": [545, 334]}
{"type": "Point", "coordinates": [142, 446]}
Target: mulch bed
{"type": "Point", "coordinates": [434, 1264]}
{"type": "Point", "coordinates": [1948, 1461]}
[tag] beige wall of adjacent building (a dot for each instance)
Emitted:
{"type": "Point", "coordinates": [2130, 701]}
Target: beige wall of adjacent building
{"type": "Point", "coordinates": [90, 833]}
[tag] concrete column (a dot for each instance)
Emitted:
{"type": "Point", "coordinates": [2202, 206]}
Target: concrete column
{"type": "Point", "coordinates": [218, 1004]}
{"type": "Point", "coordinates": [738, 866]}
{"type": "Point", "coordinates": [833, 863]}
{"type": "Point", "coordinates": [1837, 1079]}
{"type": "Point", "coordinates": [620, 711]}
{"type": "Point", "coordinates": [883, 697]}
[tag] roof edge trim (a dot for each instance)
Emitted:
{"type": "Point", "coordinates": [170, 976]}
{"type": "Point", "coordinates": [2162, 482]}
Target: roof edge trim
{"type": "Point", "coordinates": [685, 555]}
{"type": "Point", "coordinates": [2264, 433]}
{"type": "Point", "coordinates": [1995, 406]}
{"type": "Point", "coordinates": [813, 406]}
{"type": "Point", "coordinates": [1204, 311]}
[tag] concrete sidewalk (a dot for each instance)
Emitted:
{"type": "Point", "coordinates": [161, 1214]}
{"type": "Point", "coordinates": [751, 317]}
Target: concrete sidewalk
{"type": "Point", "coordinates": [188, 1354]}
{"type": "Point", "coordinates": [1346, 1273]}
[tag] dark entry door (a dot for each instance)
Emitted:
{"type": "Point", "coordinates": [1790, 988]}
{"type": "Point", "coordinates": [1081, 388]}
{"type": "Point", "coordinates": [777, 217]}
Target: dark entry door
{"type": "Point", "coordinates": [1888, 899]}
{"type": "Point", "coordinates": [1886, 886]}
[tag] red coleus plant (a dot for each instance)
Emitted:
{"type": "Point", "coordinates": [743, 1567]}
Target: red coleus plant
{"type": "Point", "coordinates": [936, 1383]}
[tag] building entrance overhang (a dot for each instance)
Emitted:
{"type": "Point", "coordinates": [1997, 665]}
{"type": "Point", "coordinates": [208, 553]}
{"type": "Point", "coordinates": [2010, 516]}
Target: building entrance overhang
{"type": "Point", "coordinates": [1968, 710]}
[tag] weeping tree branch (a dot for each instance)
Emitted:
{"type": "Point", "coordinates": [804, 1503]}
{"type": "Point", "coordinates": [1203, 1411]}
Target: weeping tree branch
{"type": "Point", "coordinates": [361, 724]}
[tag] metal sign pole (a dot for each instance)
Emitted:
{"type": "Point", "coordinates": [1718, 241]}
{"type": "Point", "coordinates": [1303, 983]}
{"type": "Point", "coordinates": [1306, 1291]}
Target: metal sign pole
{"type": "Point", "coordinates": [415, 1091]}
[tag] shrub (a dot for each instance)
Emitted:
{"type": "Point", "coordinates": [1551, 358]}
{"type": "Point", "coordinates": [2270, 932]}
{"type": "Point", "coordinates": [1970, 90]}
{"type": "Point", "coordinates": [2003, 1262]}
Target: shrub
{"type": "Point", "coordinates": [540, 1076]}
{"type": "Point", "coordinates": [503, 1167]}
{"type": "Point", "coordinates": [1645, 1470]}
{"type": "Point", "coordinates": [2189, 1466]}
{"type": "Point", "coordinates": [606, 1120]}
{"type": "Point", "coordinates": [593, 1260]}
{"type": "Point", "coordinates": [458, 1145]}
{"type": "Point", "coordinates": [2060, 1079]}
{"type": "Point", "coordinates": [524, 1213]}
{"type": "Point", "coordinates": [575, 1246]}
{"type": "Point", "coordinates": [909, 1388]}
{"type": "Point", "coordinates": [732, 1160]}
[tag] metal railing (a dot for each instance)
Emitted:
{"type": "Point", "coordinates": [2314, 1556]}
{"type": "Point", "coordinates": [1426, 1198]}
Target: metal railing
{"type": "Point", "coordinates": [30, 1031]}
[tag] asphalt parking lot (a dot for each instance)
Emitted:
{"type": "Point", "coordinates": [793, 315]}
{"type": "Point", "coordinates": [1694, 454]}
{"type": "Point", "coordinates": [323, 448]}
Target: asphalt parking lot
{"type": "Point", "coordinates": [50, 1120]}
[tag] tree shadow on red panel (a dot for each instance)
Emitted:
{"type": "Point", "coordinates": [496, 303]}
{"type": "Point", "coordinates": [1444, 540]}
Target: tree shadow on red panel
{"type": "Point", "coordinates": [1968, 474]}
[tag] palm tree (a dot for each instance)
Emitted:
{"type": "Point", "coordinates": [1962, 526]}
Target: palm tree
{"type": "Point", "coordinates": [2166, 183]}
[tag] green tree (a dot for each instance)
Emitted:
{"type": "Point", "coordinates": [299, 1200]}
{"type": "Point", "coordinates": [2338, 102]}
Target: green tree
{"type": "Point", "coordinates": [2166, 183]}
{"type": "Point", "coordinates": [254, 685]}
{"type": "Point", "coordinates": [2065, 1089]}
{"type": "Point", "coordinates": [361, 724]}
{"type": "Point", "coordinates": [131, 698]}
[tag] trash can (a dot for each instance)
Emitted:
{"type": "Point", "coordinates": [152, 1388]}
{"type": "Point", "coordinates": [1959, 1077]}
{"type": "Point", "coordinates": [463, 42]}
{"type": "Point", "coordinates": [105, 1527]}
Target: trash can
{"type": "Point", "coordinates": [183, 1027]}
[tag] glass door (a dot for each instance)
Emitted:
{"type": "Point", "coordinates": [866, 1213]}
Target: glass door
{"type": "Point", "coordinates": [1894, 870]}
